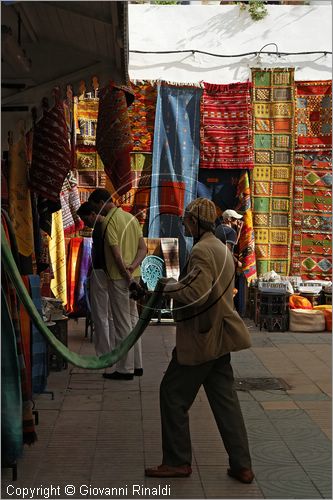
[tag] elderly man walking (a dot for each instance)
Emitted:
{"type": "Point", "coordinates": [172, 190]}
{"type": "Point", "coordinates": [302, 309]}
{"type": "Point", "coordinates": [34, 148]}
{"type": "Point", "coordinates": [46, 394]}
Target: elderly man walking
{"type": "Point", "coordinates": [208, 329]}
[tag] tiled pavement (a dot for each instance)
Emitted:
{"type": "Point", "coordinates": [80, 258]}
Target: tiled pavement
{"type": "Point", "coordinates": [99, 433]}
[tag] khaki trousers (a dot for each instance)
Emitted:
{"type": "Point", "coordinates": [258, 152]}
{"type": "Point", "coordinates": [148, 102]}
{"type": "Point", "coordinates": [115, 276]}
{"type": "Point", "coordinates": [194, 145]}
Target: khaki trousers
{"type": "Point", "coordinates": [125, 317]}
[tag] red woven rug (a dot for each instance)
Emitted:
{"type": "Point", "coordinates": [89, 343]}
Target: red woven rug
{"type": "Point", "coordinates": [313, 115]}
{"type": "Point", "coordinates": [142, 116]}
{"type": "Point", "coordinates": [226, 126]}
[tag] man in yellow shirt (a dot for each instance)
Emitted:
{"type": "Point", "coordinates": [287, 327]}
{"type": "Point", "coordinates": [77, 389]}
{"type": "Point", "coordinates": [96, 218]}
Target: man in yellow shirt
{"type": "Point", "coordinates": [124, 250]}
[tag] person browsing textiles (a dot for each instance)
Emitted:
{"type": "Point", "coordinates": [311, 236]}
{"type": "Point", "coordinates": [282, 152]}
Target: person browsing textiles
{"type": "Point", "coordinates": [100, 304]}
{"type": "Point", "coordinates": [124, 250]}
{"type": "Point", "coordinates": [208, 329]}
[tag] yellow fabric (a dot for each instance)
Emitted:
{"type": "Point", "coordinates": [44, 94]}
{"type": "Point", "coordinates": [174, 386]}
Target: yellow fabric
{"type": "Point", "coordinates": [19, 198]}
{"type": "Point", "coordinates": [122, 229]}
{"type": "Point", "coordinates": [58, 258]}
{"type": "Point", "coordinates": [323, 307]}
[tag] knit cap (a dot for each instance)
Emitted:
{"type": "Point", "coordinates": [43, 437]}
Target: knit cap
{"type": "Point", "coordinates": [203, 209]}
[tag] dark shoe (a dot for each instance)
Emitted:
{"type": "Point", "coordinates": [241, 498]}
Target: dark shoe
{"type": "Point", "coordinates": [138, 372]}
{"type": "Point", "coordinates": [118, 376]}
{"type": "Point", "coordinates": [169, 471]}
{"type": "Point", "coordinates": [243, 475]}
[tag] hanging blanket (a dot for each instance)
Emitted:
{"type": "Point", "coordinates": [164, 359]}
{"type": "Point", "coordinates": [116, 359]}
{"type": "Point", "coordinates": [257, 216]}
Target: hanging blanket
{"type": "Point", "coordinates": [11, 396]}
{"type": "Point", "coordinates": [84, 266]}
{"type": "Point", "coordinates": [113, 137]}
{"type": "Point", "coordinates": [72, 271]}
{"type": "Point", "coordinates": [226, 126]}
{"type": "Point", "coordinates": [219, 186]}
{"type": "Point", "coordinates": [142, 116]}
{"type": "Point", "coordinates": [272, 180]}
{"type": "Point", "coordinates": [175, 161]}
{"type": "Point", "coordinates": [38, 344]}
{"type": "Point", "coordinates": [246, 248]}
{"type": "Point", "coordinates": [313, 115]}
{"type": "Point", "coordinates": [58, 258]}
{"type": "Point", "coordinates": [51, 155]}
{"type": "Point", "coordinates": [312, 218]}
{"type": "Point", "coordinates": [19, 197]}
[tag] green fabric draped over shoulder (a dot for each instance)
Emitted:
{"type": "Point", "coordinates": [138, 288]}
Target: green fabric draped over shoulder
{"type": "Point", "coordinates": [87, 362]}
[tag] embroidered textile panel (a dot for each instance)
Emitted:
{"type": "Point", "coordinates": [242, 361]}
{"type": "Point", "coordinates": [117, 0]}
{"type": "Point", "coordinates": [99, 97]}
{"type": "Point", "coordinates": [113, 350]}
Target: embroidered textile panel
{"type": "Point", "coordinates": [226, 126]}
{"type": "Point", "coordinates": [137, 199]}
{"type": "Point", "coordinates": [313, 115]}
{"type": "Point", "coordinates": [312, 220]}
{"type": "Point", "coordinates": [175, 161]}
{"type": "Point", "coordinates": [142, 116]}
{"type": "Point", "coordinates": [272, 176]}
{"type": "Point", "coordinates": [85, 120]}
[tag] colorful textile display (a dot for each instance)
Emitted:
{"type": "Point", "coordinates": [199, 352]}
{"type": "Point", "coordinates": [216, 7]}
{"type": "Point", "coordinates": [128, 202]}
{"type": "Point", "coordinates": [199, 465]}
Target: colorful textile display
{"type": "Point", "coordinates": [226, 126]}
{"type": "Point", "coordinates": [51, 155]}
{"type": "Point", "coordinates": [312, 217]}
{"type": "Point", "coordinates": [29, 435]}
{"type": "Point", "coordinates": [313, 115]}
{"type": "Point", "coordinates": [70, 202]}
{"type": "Point", "coordinates": [175, 160]}
{"type": "Point", "coordinates": [142, 116]}
{"type": "Point", "coordinates": [113, 137]}
{"type": "Point", "coordinates": [11, 395]}
{"type": "Point", "coordinates": [273, 110]}
{"type": "Point", "coordinates": [72, 263]}
{"type": "Point", "coordinates": [246, 247]}
{"type": "Point", "coordinates": [58, 258]}
{"type": "Point", "coordinates": [38, 344]}
{"type": "Point", "coordinates": [19, 197]}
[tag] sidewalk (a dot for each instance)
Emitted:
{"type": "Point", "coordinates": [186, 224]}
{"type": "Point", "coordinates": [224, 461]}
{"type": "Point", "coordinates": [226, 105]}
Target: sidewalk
{"type": "Point", "coordinates": [100, 433]}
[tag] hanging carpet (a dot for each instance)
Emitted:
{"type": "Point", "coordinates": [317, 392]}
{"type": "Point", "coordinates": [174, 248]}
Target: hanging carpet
{"type": "Point", "coordinates": [58, 258]}
{"type": "Point", "coordinates": [226, 126]}
{"type": "Point", "coordinates": [312, 219]}
{"type": "Point", "coordinates": [175, 161]}
{"type": "Point", "coordinates": [87, 362]}
{"type": "Point", "coordinates": [272, 179]}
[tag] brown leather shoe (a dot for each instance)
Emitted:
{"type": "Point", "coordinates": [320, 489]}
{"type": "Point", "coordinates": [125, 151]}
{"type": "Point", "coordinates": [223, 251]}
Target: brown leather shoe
{"type": "Point", "coordinates": [169, 471]}
{"type": "Point", "coordinates": [243, 475]}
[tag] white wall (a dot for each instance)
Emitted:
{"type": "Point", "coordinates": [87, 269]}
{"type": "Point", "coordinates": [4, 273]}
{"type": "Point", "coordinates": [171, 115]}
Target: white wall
{"type": "Point", "coordinates": [225, 29]}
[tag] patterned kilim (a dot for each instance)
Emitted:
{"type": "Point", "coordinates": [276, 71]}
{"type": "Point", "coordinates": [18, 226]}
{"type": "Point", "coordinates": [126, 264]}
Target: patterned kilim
{"type": "Point", "coordinates": [169, 247]}
{"type": "Point", "coordinates": [142, 116]}
{"type": "Point", "coordinates": [246, 247]}
{"type": "Point", "coordinates": [70, 202]}
{"type": "Point", "coordinates": [312, 220]}
{"type": "Point", "coordinates": [226, 126]}
{"type": "Point", "coordinates": [273, 110]}
{"type": "Point", "coordinates": [175, 160]}
{"type": "Point", "coordinates": [313, 115]}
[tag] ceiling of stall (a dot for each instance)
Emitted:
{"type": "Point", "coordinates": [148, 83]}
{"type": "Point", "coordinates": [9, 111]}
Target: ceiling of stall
{"type": "Point", "coordinates": [47, 44]}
